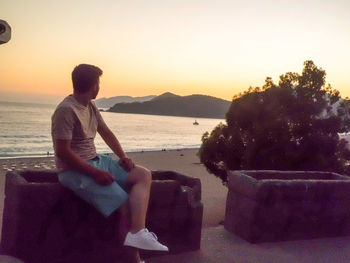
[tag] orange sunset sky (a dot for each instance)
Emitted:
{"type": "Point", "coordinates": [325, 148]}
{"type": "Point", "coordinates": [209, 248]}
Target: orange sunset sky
{"type": "Point", "coordinates": [218, 48]}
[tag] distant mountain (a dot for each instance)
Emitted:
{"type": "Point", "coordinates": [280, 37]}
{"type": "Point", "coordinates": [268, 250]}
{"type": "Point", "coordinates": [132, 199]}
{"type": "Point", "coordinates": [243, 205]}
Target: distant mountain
{"type": "Point", "coordinates": [166, 95]}
{"type": "Point", "coordinates": [197, 106]}
{"type": "Point", "coordinates": [109, 102]}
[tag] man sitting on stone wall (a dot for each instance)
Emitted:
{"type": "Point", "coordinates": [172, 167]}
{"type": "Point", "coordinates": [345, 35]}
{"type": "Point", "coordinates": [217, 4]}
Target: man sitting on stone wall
{"type": "Point", "coordinates": [98, 179]}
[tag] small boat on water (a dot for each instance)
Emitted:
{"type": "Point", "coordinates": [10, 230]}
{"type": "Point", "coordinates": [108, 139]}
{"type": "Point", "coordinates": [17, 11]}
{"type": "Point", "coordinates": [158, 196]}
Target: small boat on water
{"type": "Point", "coordinates": [195, 123]}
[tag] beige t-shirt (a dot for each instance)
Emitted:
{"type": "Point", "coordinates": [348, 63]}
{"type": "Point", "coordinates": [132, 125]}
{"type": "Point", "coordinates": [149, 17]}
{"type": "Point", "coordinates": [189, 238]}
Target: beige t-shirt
{"type": "Point", "coordinates": [73, 121]}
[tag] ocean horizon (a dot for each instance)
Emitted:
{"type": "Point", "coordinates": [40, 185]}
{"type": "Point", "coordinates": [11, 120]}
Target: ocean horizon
{"type": "Point", "coordinates": [25, 131]}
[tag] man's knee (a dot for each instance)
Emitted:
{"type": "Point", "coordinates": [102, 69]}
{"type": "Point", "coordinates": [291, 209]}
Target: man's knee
{"type": "Point", "coordinates": [144, 174]}
{"type": "Point", "coordinates": [140, 175]}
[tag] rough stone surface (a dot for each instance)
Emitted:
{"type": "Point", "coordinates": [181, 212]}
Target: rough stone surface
{"type": "Point", "coordinates": [285, 205]}
{"type": "Point", "coordinates": [44, 222]}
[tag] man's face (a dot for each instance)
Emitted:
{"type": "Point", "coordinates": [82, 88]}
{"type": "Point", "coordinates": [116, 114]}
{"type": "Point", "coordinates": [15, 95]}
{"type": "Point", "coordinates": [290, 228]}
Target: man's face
{"type": "Point", "coordinates": [95, 89]}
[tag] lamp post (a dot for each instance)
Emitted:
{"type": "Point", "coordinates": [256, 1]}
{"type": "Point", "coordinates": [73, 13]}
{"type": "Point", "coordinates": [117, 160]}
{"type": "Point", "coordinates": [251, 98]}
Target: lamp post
{"type": "Point", "coordinates": [5, 32]}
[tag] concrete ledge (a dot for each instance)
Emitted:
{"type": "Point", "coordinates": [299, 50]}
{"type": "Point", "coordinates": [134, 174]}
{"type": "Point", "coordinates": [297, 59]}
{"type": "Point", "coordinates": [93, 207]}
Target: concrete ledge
{"type": "Point", "coordinates": [285, 205]}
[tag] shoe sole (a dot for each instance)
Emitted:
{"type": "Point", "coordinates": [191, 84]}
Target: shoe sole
{"type": "Point", "coordinates": [157, 250]}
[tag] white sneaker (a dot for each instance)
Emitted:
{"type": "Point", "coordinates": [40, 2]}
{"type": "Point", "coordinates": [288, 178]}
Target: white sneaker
{"type": "Point", "coordinates": [144, 240]}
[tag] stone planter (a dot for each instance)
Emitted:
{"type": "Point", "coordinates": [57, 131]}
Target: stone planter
{"type": "Point", "coordinates": [44, 222]}
{"type": "Point", "coordinates": [285, 205]}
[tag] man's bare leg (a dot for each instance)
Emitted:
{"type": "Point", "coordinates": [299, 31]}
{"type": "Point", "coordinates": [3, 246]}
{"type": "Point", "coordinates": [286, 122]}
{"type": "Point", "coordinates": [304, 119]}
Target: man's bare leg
{"type": "Point", "coordinates": [140, 180]}
{"type": "Point", "coordinates": [132, 254]}
{"type": "Point", "coordinates": [124, 220]}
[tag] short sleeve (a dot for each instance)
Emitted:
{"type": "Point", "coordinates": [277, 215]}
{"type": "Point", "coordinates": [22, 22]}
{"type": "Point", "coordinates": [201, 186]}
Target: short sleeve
{"type": "Point", "coordinates": [62, 123]}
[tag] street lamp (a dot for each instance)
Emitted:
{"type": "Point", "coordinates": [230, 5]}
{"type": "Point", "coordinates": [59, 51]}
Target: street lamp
{"type": "Point", "coordinates": [5, 32]}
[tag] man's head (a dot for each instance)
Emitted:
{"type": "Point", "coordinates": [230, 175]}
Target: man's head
{"type": "Point", "coordinates": [86, 79]}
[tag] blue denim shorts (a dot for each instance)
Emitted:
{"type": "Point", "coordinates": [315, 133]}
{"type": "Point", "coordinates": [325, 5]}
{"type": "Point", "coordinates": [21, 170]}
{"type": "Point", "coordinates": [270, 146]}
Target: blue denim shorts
{"type": "Point", "coordinates": [105, 199]}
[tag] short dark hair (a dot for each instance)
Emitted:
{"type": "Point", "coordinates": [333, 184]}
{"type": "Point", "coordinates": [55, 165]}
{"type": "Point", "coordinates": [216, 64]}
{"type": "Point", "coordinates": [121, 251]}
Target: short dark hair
{"type": "Point", "coordinates": [84, 76]}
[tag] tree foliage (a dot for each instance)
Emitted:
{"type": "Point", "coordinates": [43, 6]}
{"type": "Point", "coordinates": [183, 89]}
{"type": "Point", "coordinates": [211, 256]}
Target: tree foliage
{"type": "Point", "coordinates": [290, 126]}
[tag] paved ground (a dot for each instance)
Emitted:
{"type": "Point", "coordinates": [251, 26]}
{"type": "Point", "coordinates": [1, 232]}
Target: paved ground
{"type": "Point", "coordinates": [220, 246]}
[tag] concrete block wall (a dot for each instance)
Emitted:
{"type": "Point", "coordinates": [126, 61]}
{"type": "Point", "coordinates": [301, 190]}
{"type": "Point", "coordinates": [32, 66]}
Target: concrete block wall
{"type": "Point", "coordinates": [44, 222]}
{"type": "Point", "coordinates": [265, 206]}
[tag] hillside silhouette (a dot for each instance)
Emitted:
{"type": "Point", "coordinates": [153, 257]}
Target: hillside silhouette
{"type": "Point", "coordinates": [197, 106]}
{"type": "Point", "coordinates": [109, 102]}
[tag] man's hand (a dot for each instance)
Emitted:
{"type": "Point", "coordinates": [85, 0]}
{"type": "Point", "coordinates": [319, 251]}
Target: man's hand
{"type": "Point", "coordinates": [103, 177]}
{"type": "Point", "coordinates": [126, 163]}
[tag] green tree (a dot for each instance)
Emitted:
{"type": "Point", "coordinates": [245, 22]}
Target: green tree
{"type": "Point", "coordinates": [289, 126]}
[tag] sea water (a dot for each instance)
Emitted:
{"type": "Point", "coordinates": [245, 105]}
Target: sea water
{"type": "Point", "coordinates": [25, 130]}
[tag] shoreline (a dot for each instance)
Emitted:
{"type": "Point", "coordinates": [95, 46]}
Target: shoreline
{"type": "Point", "coordinates": [51, 155]}
{"type": "Point", "coordinates": [144, 158]}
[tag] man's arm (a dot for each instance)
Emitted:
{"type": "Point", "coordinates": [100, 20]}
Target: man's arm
{"type": "Point", "coordinates": [65, 153]}
{"type": "Point", "coordinates": [113, 143]}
